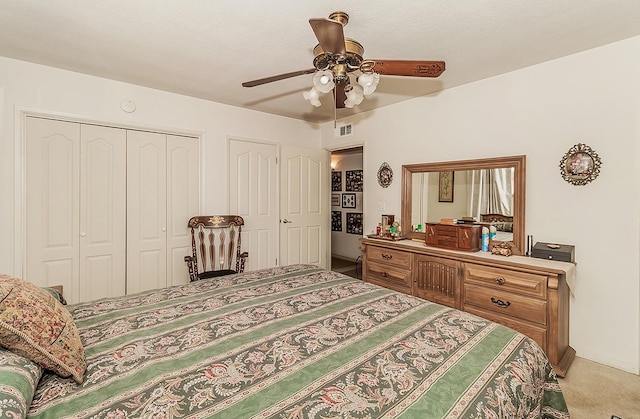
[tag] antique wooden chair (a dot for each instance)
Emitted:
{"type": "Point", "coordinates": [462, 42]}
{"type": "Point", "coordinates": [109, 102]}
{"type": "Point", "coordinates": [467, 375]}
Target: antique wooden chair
{"type": "Point", "coordinates": [216, 246]}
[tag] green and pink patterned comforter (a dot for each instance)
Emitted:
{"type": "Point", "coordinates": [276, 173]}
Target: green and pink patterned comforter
{"type": "Point", "coordinates": [296, 342]}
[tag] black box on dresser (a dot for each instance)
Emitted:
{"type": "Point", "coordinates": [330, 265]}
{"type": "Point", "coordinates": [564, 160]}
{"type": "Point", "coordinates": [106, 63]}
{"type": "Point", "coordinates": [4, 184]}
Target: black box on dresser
{"type": "Point", "coordinates": [553, 251]}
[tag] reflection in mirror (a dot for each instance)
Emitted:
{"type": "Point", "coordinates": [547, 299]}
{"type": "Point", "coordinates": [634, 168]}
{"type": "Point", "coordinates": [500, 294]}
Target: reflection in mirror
{"type": "Point", "coordinates": [476, 194]}
{"type": "Point", "coordinates": [489, 190]}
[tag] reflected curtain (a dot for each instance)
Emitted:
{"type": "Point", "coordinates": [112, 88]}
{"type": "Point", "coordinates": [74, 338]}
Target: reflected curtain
{"type": "Point", "coordinates": [490, 191]}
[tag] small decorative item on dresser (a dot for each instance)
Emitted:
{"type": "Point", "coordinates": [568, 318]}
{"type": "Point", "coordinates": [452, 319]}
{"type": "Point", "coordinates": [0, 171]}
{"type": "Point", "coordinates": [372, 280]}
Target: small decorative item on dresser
{"type": "Point", "coordinates": [580, 165]}
{"type": "Point", "coordinates": [503, 249]}
{"type": "Point", "coordinates": [552, 251]}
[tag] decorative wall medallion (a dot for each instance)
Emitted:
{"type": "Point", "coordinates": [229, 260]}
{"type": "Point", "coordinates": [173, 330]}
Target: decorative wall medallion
{"type": "Point", "coordinates": [385, 175]}
{"type": "Point", "coordinates": [580, 165]}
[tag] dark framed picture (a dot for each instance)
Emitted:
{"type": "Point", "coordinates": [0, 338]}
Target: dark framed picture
{"type": "Point", "coordinates": [354, 223]}
{"type": "Point", "coordinates": [336, 220]}
{"type": "Point", "coordinates": [353, 181]}
{"type": "Point", "coordinates": [335, 199]}
{"type": "Point", "coordinates": [336, 181]}
{"type": "Point", "coordinates": [580, 165]}
{"type": "Point", "coordinates": [445, 186]}
{"type": "Point", "coordinates": [348, 200]}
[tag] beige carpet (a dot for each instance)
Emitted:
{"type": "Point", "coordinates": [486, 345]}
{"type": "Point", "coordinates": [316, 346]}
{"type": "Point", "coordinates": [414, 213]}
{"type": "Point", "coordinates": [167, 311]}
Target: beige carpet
{"type": "Point", "coordinates": [596, 391]}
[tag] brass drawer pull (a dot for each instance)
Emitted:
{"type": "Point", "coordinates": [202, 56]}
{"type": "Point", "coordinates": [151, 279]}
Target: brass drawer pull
{"type": "Point", "coordinates": [500, 303]}
{"type": "Point", "coordinates": [386, 257]}
{"type": "Point", "coordinates": [500, 281]}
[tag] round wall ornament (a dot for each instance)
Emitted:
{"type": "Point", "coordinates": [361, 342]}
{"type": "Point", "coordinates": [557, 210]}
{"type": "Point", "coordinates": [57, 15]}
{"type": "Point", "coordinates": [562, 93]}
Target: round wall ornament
{"type": "Point", "coordinates": [580, 165]}
{"type": "Point", "coordinates": [385, 175]}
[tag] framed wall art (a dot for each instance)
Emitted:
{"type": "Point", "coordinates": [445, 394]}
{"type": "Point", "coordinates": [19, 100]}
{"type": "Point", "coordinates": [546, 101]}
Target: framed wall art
{"type": "Point", "coordinates": [348, 200]}
{"type": "Point", "coordinates": [353, 181]}
{"type": "Point", "coordinates": [336, 220]}
{"type": "Point", "coordinates": [336, 181]}
{"type": "Point", "coordinates": [354, 223]}
{"type": "Point", "coordinates": [385, 175]}
{"type": "Point", "coordinates": [445, 186]}
{"type": "Point", "coordinates": [580, 165]}
{"type": "Point", "coordinates": [335, 199]}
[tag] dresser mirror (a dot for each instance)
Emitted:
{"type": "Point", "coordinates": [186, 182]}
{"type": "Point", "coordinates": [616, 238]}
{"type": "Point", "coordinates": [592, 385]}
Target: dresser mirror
{"type": "Point", "coordinates": [488, 190]}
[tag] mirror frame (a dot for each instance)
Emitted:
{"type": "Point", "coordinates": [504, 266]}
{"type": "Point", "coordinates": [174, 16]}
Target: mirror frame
{"type": "Point", "coordinates": [517, 162]}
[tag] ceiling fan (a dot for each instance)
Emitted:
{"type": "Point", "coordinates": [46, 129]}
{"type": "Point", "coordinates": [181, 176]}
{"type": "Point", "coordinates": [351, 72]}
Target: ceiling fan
{"type": "Point", "coordinates": [336, 57]}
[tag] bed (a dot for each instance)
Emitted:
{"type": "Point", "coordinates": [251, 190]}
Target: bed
{"type": "Point", "coordinates": [288, 342]}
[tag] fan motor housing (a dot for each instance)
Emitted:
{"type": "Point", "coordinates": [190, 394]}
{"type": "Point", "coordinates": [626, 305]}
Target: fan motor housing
{"type": "Point", "coordinates": [352, 59]}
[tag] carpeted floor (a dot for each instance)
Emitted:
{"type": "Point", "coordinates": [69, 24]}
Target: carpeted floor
{"type": "Point", "coordinates": [348, 267]}
{"type": "Point", "coordinates": [596, 391]}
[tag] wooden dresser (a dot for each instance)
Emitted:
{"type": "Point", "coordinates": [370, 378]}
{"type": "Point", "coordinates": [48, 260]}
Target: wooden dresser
{"type": "Point", "coordinates": [527, 294]}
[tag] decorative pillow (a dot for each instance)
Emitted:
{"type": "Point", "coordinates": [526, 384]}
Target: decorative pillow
{"type": "Point", "coordinates": [35, 325]}
{"type": "Point", "coordinates": [56, 294]}
{"type": "Point", "coordinates": [19, 378]}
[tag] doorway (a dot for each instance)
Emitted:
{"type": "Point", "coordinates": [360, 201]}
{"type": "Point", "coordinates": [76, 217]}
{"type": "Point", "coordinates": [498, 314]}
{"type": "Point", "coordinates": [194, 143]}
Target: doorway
{"type": "Point", "coordinates": [347, 194]}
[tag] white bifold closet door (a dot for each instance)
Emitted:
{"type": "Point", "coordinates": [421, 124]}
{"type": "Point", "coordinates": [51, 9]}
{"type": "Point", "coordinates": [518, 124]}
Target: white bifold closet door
{"type": "Point", "coordinates": [106, 207]}
{"type": "Point", "coordinates": [162, 191]}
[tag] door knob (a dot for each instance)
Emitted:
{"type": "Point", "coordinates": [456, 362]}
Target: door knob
{"type": "Point", "coordinates": [286, 221]}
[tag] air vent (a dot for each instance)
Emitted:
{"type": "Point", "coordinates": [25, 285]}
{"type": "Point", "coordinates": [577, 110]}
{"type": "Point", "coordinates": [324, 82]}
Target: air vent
{"type": "Point", "coordinates": [344, 130]}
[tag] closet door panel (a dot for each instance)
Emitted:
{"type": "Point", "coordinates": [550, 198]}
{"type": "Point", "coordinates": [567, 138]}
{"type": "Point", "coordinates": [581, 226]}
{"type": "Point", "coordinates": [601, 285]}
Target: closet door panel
{"type": "Point", "coordinates": [102, 212]}
{"type": "Point", "coordinates": [183, 168]}
{"type": "Point", "coordinates": [146, 211]}
{"type": "Point", "coordinates": [52, 153]}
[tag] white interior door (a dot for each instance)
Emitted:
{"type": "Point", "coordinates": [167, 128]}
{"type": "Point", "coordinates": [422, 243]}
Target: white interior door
{"type": "Point", "coordinates": [253, 194]}
{"type": "Point", "coordinates": [52, 169]}
{"type": "Point", "coordinates": [304, 206]}
{"type": "Point", "coordinates": [183, 202]}
{"type": "Point", "coordinates": [103, 210]}
{"type": "Point", "coordinates": [146, 211]}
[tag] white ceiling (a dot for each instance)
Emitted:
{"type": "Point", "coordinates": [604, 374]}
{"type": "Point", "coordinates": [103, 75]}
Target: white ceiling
{"type": "Point", "coordinates": [207, 48]}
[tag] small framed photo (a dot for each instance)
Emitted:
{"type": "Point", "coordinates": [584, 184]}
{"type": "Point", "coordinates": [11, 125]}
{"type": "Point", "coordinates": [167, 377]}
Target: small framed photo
{"type": "Point", "coordinates": [348, 200]}
{"type": "Point", "coordinates": [445, 186]}
{"type": "Point", "coordinates": [336, 220]}
{"type": "Point", "coordinates": [354, 223]}
{"type": "Point", "coordinates": [353, 181]}
{"type": "Point", "coordinates": [335, 199]}
{"type": "Point", "coordinates": [336, 181]}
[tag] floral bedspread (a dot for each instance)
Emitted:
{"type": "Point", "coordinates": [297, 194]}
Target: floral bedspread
{"type": "Point", "coordinates": [296, 342]}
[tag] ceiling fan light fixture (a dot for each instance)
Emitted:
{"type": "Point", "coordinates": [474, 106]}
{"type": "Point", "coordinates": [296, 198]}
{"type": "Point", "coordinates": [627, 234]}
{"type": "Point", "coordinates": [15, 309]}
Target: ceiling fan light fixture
{"type": "Point", "coordinates": [313, 96]}
{"type": "Point", "coordinates": [369, 82]}
{"type": "Point", "coordinates": [323, 81]}
{"type": "Point", "coordinates": [355, 95]}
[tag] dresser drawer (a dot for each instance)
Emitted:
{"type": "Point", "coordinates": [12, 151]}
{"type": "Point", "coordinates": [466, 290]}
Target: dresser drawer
{"type": "Point", "coordinates": [506, 304]}
{"type": "Point", "coordinates": [389, 257]}
{"type": "Point", "coordinates": [389, 276]}
{"type": "Point", "coordinates": [537, 333]}
{"type": "Point", "coordinates": [505, 280]}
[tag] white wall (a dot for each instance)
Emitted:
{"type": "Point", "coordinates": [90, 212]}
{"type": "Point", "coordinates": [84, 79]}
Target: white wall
{"type": "Point", "coordinates": [29, 86]}
{"type": "Point", "coordinates": [541, 111]}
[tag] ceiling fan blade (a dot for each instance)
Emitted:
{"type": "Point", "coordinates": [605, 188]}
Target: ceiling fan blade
{"type": "Point", "coordinates": [341, 95]}
{"type": "Point", "coordinates": [330, 35]}
{"type": "Point", "coordinates": [409, 68]}
{"type": "Point", "coordinates": [265, 80]}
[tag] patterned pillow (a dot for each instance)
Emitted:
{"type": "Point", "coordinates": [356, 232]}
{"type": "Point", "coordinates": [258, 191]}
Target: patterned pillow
{"type": "Point", "coordinates": [19, 378]}
{"type": "Point", "coordinates": [35, 325]}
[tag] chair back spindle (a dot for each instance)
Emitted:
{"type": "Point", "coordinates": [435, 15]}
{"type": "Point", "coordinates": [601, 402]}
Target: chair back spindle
{"type": "Point", "coordinates": [213, 250]}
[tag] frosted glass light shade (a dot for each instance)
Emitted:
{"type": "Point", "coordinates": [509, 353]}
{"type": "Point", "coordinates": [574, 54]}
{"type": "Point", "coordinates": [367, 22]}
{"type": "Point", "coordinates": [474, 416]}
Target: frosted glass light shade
{"type": "Point", "coordinates": [354, 96]}
{"type": "Point", "coordinates": [323, 81]}
{"type": "Point", "coordinates": [369, 82]}
{"type": "Point", "coordinates": [313, 96]}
